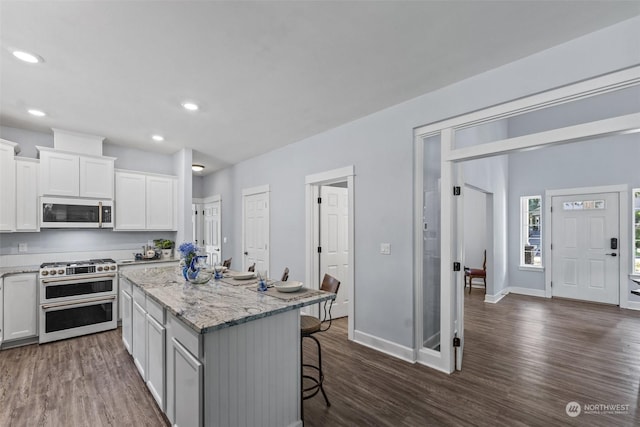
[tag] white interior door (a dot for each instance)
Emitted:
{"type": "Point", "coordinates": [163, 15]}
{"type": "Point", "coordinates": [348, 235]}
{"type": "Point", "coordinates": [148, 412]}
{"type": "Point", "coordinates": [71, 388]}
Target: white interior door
{"type": "Point", "coordinates": [334, 241]}
{"type": "Point", "coordinates": [256, 231]}
{"type": "Point", "coordinates": [212, 232]}
{"type": "Point", "coordinates": [585, 266]}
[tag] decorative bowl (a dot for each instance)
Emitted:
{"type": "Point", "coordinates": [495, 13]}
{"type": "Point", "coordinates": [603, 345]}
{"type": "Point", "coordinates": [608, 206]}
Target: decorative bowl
{"type": "Point", "coordinates": [201, 278]}
{"type": "Point", "coordinates": [292, 286]}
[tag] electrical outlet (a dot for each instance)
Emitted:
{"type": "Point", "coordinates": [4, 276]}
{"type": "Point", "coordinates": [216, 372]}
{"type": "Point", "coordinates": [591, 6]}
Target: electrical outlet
{"type": "Point", "coordinates": [385, 248]}
{"type": "Point", "coordinates": [224, 240]}
{"type": "Point", "coordinates": [22, 247]}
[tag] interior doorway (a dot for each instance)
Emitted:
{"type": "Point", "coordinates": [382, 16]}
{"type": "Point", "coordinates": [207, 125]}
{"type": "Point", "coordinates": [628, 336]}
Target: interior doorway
{"type": "Point", "coordinates": [255, 228]}
{"type": "Point", "coordinates": [478, 230]}
{"type": "Point", "coordinates": [330, 226]}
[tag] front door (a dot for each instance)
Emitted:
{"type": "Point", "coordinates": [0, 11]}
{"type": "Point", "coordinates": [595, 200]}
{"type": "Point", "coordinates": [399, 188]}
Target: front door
{"type": "Point", "coordinates": [585, 264]}
{"type": "Point", "coordinates": [334, 241]}
{"type": "Point", "coordinates": [211, 239]}
{"type": "Point", "coordinates": [256, 231]}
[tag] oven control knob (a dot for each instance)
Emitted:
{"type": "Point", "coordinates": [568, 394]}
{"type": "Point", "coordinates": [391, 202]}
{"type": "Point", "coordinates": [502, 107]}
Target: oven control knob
{"type": "Point", "coordinates": [52, 272]}
{"type": "Point", "coordinates": [45, 273]}
{"type": "Point", "coordinates": [113, 267]}
{"type": "Point", "coordinates": [60, 271]}
{"type": "Point", "coordinates": [99, 268]}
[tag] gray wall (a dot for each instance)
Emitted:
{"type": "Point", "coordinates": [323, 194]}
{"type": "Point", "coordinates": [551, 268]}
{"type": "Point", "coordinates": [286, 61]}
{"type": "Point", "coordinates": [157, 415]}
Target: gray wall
{"type": "Point", "coordinates": [381, 148]}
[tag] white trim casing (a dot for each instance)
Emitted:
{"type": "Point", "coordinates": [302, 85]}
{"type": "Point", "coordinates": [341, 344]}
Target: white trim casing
{"type": "Point", "coordinates": [526, 291]}
{"type": "Point", "coordinates": [256, 190]}
{"type": "Point", "coordinates": [312, 183]}
{"type": "Point", "coordinates": [494, 299]}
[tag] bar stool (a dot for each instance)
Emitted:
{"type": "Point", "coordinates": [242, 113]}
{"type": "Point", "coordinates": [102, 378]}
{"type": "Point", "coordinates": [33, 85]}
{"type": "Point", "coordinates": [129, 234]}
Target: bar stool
{"type": "Point", "coordinates": [227, 263]}
{"type": "Point", "coordinates": [309, 325]}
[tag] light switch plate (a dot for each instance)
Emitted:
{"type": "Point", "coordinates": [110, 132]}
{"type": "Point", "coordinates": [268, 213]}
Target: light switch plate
{"type": "Point", "coordinates": [22, 247]}
{"type": "Point", "coordinates": [385, 248]}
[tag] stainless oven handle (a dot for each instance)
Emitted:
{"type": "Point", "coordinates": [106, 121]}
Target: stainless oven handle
{"type": "Point", "coordinates": [99, 214]}
{"type": "Point", "coordinates": [84, 301]}
{"type": "Point", "coordinates": [75, 279]}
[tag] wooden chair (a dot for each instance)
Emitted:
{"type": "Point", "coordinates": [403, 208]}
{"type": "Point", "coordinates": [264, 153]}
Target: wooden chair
{"type": "Point", "coordinates": [285, 275]}
{"type": "Point", "coordinates": [310, 325]}
{"type": "Point", "coordinates": [476, 273]}
{"type": "Point", "coordinates": [252, 267]}
{"type": "Point", "coordinates": [227, 263]}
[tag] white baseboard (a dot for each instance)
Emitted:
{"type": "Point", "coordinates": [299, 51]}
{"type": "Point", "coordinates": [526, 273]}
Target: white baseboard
{"type": "Point", "coordinates": [526, 291]}
{"type": "Point", "coordinates": [493, 299]}
{"type": "Point", "coordinates": [384, 346]}
{"type": "Point", "coordinates": [633, 305]}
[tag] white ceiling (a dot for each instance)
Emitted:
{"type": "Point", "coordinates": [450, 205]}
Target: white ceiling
{"type": "Point", "coordinates": [265, 73]}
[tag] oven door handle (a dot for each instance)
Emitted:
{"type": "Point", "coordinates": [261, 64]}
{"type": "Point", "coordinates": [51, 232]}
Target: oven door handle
{"type": "Point", "coordinates": [76, 279]}
{"type": "Point", "coordinates": [77, 302]}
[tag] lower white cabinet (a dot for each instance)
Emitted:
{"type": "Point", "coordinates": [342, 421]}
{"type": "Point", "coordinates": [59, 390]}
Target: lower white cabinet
{"type": "Point", "coordinates": [139, 341]}
{"type": "Point", "coordinates": [126, 305]}
{"type": "Point", "coordinates": [1, 306]}
{"type": "Point", "coordinates": [187, 386]}
{"type": "Point", "coordinates": [20, 306]}
{"type": "Point", "coordinates": [156, 335]}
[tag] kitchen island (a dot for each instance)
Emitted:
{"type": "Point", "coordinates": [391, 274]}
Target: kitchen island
{"type": "Point", "coordinates": [214, 354]}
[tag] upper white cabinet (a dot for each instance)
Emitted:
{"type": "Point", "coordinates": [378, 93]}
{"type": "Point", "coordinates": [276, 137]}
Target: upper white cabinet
{"type": "Point", "coordinates": [74, 175]}
{"type": "Point", "coordinates": [27, 194]}
{"type": "Point", "coordinates": [20, 306]}
{"type": "Point", "coordinates": [145, 201]}
{"type": "Point", "coordinates": [7, 186]}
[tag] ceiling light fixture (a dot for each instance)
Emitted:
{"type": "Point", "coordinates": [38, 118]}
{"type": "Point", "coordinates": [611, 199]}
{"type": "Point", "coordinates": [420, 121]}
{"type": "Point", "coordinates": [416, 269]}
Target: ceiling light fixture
{"type": "Point", "coordinates": [37, 113]}
{"type": "Point", "coordinates": [157, 138]}
{"type": "Point", "coordinates": [190, 106]}
{"type": "Point", "coordinates": [27, 57]}
{"type": "Point", "coordinates": [197, 168]}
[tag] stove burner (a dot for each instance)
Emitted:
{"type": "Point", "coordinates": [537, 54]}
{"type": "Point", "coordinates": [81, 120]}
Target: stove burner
{"type": "Point", "coordinates": [96, 261]}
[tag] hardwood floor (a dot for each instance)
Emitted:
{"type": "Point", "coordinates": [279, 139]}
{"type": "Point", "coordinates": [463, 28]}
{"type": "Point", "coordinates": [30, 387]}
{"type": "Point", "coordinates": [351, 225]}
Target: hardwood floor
{"type": "Point", "coordinates": [84, 381]}
{"type": "Point", "coordinates": [525, 359]}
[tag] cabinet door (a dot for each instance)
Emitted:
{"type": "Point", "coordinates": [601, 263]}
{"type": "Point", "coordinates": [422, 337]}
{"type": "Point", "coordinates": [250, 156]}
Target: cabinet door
{"type": "Point", "coordinates": [187, 383]}
{"type": "Point", "coordinates": [155, 359]}
{"type": "Point", "coordinates": [7, 188]}
{"type": "Point", "coordinates": [130, 201]}
{"type": "Point", "coordinates": [161, 203]}
{"type": "Point", "coordinates": [59, 174]}
{"type": "Point", "coordinates": [127, 320]}
{"type": "Point", "coordinates": [139, 340]}
{"type": "Point", "coordinates": [20, 306]}
{"type": "Point", "coordinates": [26, 195]}
{"type": "Point", "coordinates": [96, 177]}
{"type": "Point", "coordinates": [1, 310]}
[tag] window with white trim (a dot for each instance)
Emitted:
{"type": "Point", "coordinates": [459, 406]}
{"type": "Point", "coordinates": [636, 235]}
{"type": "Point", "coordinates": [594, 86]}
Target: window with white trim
{"type": "Point", "coordinates": [531, 231]}
{"type": "Point", "coordinates": [636, 230]}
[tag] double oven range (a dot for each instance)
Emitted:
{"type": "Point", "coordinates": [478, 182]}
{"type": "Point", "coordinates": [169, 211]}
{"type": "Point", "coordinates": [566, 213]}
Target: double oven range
{"type": "Point", "coordinates": [77, 298]}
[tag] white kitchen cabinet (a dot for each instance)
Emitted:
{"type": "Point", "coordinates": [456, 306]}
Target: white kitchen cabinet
{"type": "Point", "coordinates": [139, 340]}
{"type": "Point", "coordinates": [7, 185]}
{"type": "Point", "coordinates": [161, 203]}
{"type": "Point", "coordinates": [126, 306]}
{"type": "Point", "coordinates": [156, 336]}
{"type": "Point", "coordinates": [75, 175]}
{"type": "Point", "coordinates": [187, 394]}
{"type": "Point", "coordinates": [20, 306]}
{"type": "Point", "coordinates": [1, 309]}
{"type": "Point", "coordinates": [27, 194]}
{"type": "Point", "coordinates": [145, 201]}
{"type": "Point", "coordinates": [130, 201]}
{"type": "Point", "coordinates": [96, 177]}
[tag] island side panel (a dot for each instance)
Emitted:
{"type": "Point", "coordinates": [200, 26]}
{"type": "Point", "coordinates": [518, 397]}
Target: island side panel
{"type": "Point", "coordinates": [252, 373]}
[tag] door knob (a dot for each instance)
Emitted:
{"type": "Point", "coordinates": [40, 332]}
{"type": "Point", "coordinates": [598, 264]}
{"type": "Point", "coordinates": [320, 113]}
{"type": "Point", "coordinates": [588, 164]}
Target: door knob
{"type": "Point", "coordinates": [246, 253]}
{"type": "Point", "coordinates": [612, 254]}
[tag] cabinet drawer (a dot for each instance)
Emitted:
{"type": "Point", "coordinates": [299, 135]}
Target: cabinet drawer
{"type": "Point", "coordinates": [140, 297]}
{"type": "Point", "coordinates": [187, 337]}
{"type": "Point", "coordinates": [155, 310]}
{"type": "Point", "coordinates": [126, 286]}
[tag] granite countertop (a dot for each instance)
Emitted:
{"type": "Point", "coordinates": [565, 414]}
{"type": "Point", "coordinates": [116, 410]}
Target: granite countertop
{"type": "Point", "coordinates": [125, 262]}
{"type": "Point", "coordinates": [206, 308]}
{"type": "Point", "coordinates": [4, 271]}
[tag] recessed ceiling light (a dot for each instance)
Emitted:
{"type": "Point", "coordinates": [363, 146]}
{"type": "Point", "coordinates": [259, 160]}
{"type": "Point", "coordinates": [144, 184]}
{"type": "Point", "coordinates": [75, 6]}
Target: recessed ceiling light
{"type": "Point", "coordinates": [157, 138]}
{"type": "Point", "coordinates": [190, 106]}
{"type": "Point", "coordinates": [197, 168]}
{"type": "Point", "coordinates": [27, 57]}
{"type": "Point", "coordinates": [37, 113]}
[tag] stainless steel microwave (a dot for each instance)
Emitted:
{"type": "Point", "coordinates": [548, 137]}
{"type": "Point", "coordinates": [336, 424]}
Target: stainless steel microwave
{"type": "Point", "coordinates": [58, 212]}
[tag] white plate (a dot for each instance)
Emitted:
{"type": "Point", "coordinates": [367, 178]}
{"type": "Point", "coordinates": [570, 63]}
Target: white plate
{"type": "Point", "coordinates": [243, 276]}
{"type": "Point", "coordinates": [291, 286]}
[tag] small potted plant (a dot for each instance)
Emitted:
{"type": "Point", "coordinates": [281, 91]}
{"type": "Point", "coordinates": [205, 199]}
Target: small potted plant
{"type": "Point", "coordinates": [166, 246]}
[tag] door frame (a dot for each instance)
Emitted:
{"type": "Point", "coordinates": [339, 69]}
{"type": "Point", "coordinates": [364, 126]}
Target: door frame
{"type": "Point", "coordinates": [213, 199]}
{"type": "Point", "coordinates": [624, 239]}
{"type": "Point", "coordinates": [250, 192]}
{"type": "Point", "coordinates": [312, 190]}
{"type": "Point", "coordinates": [450, 154]}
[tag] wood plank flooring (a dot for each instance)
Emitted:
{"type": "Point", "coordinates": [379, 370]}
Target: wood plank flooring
{"type": "Point", "coordinates": [525, 359]}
